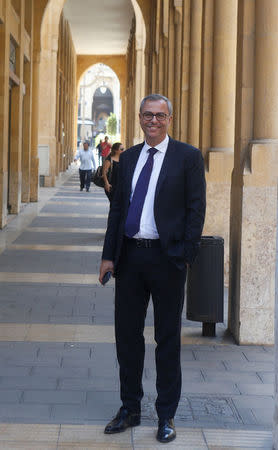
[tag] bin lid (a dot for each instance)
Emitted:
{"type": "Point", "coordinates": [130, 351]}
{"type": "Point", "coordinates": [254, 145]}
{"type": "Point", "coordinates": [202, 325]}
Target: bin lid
{"type": "Point", "coordinates": [212, 240]}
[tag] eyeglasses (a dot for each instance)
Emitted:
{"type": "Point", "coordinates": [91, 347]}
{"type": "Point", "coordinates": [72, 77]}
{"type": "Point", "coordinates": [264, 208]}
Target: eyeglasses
{"type": "Point", "coordinates": [160, 116]}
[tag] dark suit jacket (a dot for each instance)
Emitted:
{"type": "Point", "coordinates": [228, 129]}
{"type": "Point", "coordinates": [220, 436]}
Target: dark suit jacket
{"type": "Point", "coordinates": [179, 205]}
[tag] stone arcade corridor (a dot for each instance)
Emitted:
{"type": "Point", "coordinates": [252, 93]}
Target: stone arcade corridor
{"type": "Point", "coordinates": [58, 369]}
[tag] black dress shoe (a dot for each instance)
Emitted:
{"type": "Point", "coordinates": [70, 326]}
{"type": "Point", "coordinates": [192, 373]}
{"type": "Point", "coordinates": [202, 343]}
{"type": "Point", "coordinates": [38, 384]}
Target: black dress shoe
{"type": "Point", "coordinates": [166, 430]}
{"type": "Point", "coordinates": [123, 420]}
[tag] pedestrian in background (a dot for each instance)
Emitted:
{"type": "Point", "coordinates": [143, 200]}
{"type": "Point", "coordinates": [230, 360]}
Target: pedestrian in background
{"type": "Point", "coordinates": [110, 170]}
{"type": "Point", "coordinates": [99, 151]}
{"type": "Point", "coordinates": [87, 163]}
{"type": "Point", "coordinates": [105, 149]}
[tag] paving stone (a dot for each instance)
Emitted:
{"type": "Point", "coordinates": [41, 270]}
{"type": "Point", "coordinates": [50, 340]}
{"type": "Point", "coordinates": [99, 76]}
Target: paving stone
{"type": "Point", "coordinates": [98, 371]}
{"type": "Point", "coordinates": [78, 320]}
{"type": "Point", "coordinates": [34, 261]}
{"type": "Point", "coordinates": [94, 383]}
{"type": "Point", "coordinates": [34, 413]}
{"type": "Point", "coordinates": [215, 365]}
{"type": "Point", "coordinates": [77, 346]}
{"type": "Point", "coordinates": [27, 383]}
{"type": "Point", "coordinates": [77, 362]}
{"type": "Point", "coordinates": [269, 349]}
{"type": "Point", "coordinates": [253, 401]}
{"type": "Point", "coordinates": [104, 293]}
{"type": "Point", "coordinates": [11, 371]}
{"type": "Point", "coordinates": [248, 366]}
{"type": "Point", "coordinates": [256, 389]}
{"type": "Point", "coordinates": [100, 406]}
{"type": "Point", "coordinates": [10, 396]}
{"type": "Point", "coordinates": [55, 397]}
{"type": "Point", "coordinates": [108, 351]}
{"type": "Point", "coordinates": [73, 351]}
{"type": "Point", "coordinates": [71, 222]}
{"type": "Point", "coordinates": [243, 377]}
{"type": "Point", "coordinates": [188, 376]}
{"type": "Point", "coordinates": [218, 388]}
{"type": "Point", "coordinates": [78, 209]}
{"type": "Point", "coordinates": [258, 356]}
{"type": "Point", "coordinates": [247, 416]}
{"type": "Point", "coordinates": [267, 377]}
{"type": "Point", "coordinates": [25, 361]}
{"type": "Point", "coordinates": [251, 439]}
{"type": "Point", "coordinates": [219, 356]}
{"type": "Point", "coordinates": [60, 372]}
{"type": "Point", "coordinates": [263, 416]}
{"type": "Point", "coordinates": [59, 239]}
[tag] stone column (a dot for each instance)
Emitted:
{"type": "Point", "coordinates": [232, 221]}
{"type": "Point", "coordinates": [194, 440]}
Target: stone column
{"type": "Point", "coordinates": [140, 74]}
{"type": "Point", "coordinates": [171, 69]}
{"type": "Point", "coordinates": [34, 184]}
{"type": "Point", "coordinates": [15, 179]}
{"type": "Point", "coordinates": [275, 418]}
{"type": "Point", "coordinates": [185, 70]}
{"type": "Point", "coordinates": [221, 155]}
{"type": "Point", "coordinates": [160, 80]}
{"type": "Point", "coordinates": [195, 72]}
{"type": "Point", "coordinates": [254, 188]}
{"type": "Point", "coordinates": [26, 150]}
{"type": "Point", "coordinates": [206, 78]}
{"type": "Point", "coordinates": [177, 65]}
{"type": "Point", "coordinates": [4, 113]}
{"type": "Point", "coordinates": [260, 196]}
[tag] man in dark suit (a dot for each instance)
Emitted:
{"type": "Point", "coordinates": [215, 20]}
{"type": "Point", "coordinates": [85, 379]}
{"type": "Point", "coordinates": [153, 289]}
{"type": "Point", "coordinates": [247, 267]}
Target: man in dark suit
{"type": "Point", "coordinates": [154, 229]}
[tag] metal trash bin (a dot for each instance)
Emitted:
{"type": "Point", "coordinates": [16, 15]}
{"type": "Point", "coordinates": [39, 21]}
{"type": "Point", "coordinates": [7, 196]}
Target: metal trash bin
{"type": "Point", "coordinates": [205, 285]}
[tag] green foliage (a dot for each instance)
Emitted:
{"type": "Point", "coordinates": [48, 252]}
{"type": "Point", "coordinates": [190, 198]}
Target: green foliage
{"type": "Point", "coordinates": [111, 124]}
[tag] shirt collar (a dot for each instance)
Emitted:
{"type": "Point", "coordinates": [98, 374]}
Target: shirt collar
{"type": "Point", "coordinates": [161, 147]}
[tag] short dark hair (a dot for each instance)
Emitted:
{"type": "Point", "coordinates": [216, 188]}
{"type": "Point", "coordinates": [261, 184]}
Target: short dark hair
{"type": "Point", "coordinates": [155, 98]}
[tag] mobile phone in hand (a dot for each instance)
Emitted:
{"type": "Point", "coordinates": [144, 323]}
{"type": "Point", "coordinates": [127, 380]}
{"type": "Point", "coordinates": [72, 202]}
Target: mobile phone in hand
{"type": "Point", "coordinates": [106, 278]}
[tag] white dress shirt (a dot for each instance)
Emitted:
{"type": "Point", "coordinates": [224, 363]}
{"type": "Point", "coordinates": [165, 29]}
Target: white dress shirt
{"type": "Point", "coordinates": [148, 229]}
{"type": "Point", "coordinates": [87, 160]}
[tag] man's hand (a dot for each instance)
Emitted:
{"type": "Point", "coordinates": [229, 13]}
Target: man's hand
{"type": "Point", "coordinates": [106, 266]}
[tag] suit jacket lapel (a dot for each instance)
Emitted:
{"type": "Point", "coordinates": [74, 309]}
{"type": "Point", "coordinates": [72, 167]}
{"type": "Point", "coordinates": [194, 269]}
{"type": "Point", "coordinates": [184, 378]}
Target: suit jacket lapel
{"type": "Point", "coordinates": [165, 166]}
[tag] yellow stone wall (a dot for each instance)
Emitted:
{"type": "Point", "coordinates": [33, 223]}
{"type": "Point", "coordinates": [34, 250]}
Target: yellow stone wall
{"type": "Point", "coordinates": [57, 95]}
{"type": "Point", "coordinates": [16, 168]}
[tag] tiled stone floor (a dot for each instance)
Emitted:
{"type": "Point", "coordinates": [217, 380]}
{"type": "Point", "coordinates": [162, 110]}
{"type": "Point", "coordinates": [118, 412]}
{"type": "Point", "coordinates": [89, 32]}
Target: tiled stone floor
{"type": "Point", "coordinates": [58, 369]}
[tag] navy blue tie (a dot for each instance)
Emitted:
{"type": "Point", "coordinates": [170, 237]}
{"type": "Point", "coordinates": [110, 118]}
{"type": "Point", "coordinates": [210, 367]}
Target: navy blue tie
{"type": "Point", "coordinates": [132, 225]}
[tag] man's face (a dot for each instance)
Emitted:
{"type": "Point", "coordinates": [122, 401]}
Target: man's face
{"type": "Point", "coordinates": [85, 146]}
{"type": "Point", "coordinates": [155, 130]}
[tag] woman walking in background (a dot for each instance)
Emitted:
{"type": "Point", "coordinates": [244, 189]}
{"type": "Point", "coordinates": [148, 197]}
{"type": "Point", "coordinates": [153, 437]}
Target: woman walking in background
{"type": "Point", "coordinates": [110, 170]}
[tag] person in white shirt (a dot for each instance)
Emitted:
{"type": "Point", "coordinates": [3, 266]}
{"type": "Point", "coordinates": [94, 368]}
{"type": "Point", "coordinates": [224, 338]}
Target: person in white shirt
{"type": "Point", "coordinates": [87, 163]}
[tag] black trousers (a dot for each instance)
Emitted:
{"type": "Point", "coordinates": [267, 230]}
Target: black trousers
{"type": "Point", "coordinates": [143, 272]}
{"type": "Point", "coordinates": [85, 178]}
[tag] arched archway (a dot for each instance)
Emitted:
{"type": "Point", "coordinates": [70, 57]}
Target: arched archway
{"type": "Point", "coordinates": [47, 33]}
{"type": "Point", "coordinates": [118, 64]}
{"type": "Point", "coordinates": [98, 95]}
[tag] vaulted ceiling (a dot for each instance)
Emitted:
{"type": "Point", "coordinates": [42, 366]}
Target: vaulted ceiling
{"type": "Point", "coordinates": [99, 27]}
